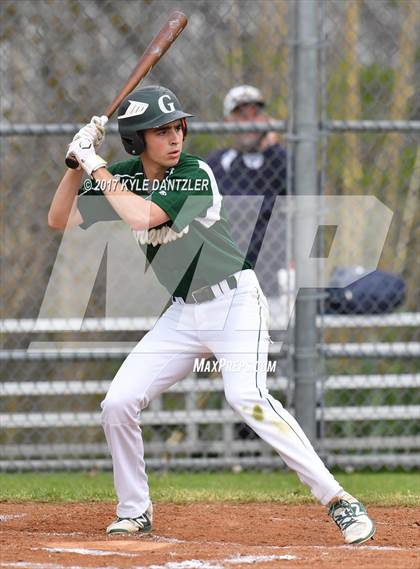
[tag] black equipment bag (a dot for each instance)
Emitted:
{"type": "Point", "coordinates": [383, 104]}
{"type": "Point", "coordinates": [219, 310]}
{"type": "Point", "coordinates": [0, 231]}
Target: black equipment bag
{"type": "Point", "coordinates": [377, 292]}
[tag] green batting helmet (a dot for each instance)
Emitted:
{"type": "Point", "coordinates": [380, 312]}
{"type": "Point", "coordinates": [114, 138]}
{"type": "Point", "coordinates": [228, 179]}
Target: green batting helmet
{"type": "Point", "coordinates": [148, 107]}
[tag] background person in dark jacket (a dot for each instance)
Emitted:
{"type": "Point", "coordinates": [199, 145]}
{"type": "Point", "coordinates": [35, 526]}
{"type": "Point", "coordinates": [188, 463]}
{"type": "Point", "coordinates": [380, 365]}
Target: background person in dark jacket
{"type": "Point", "coordinates": [255, 166]}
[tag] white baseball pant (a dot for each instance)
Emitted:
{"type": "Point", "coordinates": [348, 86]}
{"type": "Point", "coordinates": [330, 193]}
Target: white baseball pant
{"type": "Point", "coordinates": [233, 326]}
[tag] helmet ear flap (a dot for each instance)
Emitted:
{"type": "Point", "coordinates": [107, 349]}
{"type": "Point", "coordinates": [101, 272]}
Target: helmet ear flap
{"type": "Point", "coordinates": [134, 144]}
{"type": "Point", "coordinates": [141, 142]}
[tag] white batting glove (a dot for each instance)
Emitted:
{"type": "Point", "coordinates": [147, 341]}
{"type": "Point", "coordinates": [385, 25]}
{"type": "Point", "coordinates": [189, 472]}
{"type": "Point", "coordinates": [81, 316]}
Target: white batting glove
{"type": "Point", "coordinates": [83, 150]}
{"type": "Point", "coordinates": [94, 131]}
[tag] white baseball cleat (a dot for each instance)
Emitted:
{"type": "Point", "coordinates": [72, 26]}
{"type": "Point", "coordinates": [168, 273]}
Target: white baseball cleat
{"type": "Point", "coordinates": [141, 524]}
{"type": "Point", "coordinates": [351, 517]}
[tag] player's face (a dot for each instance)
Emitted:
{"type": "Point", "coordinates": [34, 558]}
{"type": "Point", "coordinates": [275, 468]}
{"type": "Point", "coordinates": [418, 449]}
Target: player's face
{"type": "Point", "coordinates": [164, 144]}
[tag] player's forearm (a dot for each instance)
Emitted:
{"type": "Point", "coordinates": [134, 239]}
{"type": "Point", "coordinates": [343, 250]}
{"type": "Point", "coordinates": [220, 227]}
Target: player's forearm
{"type": "Point", "coordinates": [134, 210]}
{"type": "Point", "coordinates": [64, 200]}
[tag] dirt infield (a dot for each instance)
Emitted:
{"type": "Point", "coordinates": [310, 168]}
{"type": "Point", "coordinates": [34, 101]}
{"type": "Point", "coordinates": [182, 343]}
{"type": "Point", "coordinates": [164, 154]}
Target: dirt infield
{"type": "Point", "coordinates": [202, 536]}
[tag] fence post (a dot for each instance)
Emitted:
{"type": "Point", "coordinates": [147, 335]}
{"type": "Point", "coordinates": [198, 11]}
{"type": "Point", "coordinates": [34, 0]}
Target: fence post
{"type": "Point", "coordinates": [305, 138]}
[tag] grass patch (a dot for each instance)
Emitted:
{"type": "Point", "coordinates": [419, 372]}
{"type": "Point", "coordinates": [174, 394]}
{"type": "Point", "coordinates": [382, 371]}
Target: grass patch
{"type": "Point", "coordinates": [385, 488]}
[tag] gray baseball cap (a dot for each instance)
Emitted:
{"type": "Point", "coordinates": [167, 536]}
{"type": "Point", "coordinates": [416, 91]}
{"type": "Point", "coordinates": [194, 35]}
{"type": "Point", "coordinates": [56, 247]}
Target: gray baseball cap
{"type": "Point", "coordinates": [240, 95]}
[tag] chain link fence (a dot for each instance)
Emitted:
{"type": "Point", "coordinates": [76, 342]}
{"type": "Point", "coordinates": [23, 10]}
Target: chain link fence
{"type": "Point", "coordinates": [370, 71]}
{"type": "Point", "coordinates": [63, 341]}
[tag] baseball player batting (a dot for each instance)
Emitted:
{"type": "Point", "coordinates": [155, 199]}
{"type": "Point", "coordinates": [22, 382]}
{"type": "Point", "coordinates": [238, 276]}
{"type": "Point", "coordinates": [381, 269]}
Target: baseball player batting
{"type": "Point", "coordinates": [171, 201]}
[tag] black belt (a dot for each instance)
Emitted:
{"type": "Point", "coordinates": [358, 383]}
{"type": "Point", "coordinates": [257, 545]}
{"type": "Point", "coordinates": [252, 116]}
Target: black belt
{"type": "Point", "coordinates": [205, 293]}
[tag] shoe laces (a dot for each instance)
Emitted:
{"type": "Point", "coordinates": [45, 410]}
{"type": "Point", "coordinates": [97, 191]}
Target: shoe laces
{"type": "Point", "coordinates": [345, 513]}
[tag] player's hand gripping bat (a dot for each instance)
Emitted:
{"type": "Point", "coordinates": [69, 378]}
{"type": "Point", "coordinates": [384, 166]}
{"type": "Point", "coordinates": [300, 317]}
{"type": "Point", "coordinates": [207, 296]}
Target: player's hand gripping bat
{"type": "Point", "coordinates": [156, 49]}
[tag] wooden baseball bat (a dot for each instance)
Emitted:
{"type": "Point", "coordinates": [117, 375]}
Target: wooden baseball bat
{"type": "Point", "coordinates": [156, 49]}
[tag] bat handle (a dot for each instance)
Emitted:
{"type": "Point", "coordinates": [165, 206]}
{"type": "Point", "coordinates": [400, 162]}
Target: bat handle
{"type": "Point", "coordinates": [72, 163]}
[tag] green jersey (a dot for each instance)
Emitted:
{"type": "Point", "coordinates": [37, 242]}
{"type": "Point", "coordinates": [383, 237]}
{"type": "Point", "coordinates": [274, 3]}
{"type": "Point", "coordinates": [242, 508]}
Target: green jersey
{"type": "Point", "coordinates": [194, 248]}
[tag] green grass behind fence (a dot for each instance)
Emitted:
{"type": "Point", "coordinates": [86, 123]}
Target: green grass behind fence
{"type": "Point", "coordinates": [387, 489]}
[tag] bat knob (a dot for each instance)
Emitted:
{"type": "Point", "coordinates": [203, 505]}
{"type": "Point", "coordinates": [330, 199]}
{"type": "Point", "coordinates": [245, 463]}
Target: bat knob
{"type": "Point", "coordinates": [72, 163]}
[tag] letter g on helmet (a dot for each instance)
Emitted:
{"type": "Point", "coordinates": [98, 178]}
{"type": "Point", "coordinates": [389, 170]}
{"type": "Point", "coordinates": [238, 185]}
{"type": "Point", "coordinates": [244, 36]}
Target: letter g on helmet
{"type": "Point", "coordinates": [148, 107]}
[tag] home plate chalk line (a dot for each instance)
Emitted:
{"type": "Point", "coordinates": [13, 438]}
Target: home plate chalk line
{"type": "Point", "coordinates": [227, 563]}
{"type": "Point", "coordinates": [131, 548]}
{"type": "Point", "coordinates": [7, 517]}
{"type": "Point", "coordinates": [188, 564]}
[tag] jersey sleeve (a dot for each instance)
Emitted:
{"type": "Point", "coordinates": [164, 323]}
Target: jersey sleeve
{"type": "Point", "coordinates": [187, 194]}
{"type": "Point", "coordinates": [93, 205]}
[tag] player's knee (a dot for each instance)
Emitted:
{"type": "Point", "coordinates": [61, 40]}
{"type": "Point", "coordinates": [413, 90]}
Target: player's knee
{"type": "Point", "coordinates": [243, 400]}
{"type": "Point", "coordinates": [235, 398]}
{"type": "Point", "coordinates": [119, 409]}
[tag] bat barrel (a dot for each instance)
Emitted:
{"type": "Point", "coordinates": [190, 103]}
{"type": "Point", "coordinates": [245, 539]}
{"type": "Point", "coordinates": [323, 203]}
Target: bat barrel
{"type": "Point", "coordinates": [154, 51]}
